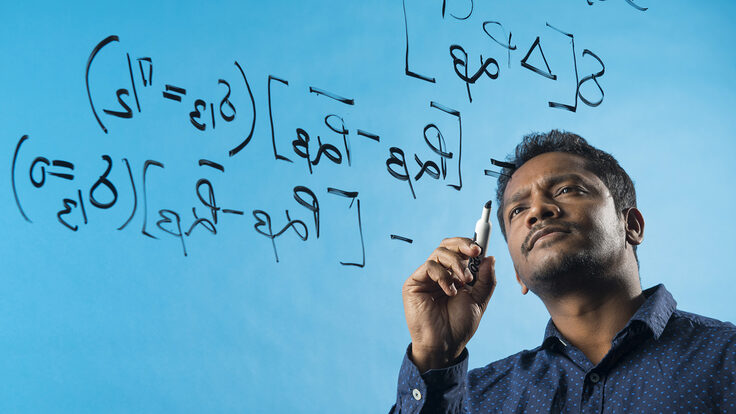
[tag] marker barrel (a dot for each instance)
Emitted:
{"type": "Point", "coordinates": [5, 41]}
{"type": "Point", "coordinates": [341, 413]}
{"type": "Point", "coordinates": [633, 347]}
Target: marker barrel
{"type": "Point", "coordinates": [481, 237]}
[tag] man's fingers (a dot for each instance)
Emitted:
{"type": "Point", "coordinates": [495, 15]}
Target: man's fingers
{"type": "Point", "coordinates": [441, 276]}
{"type": "Point", "coordinates": [446, 267]}
{"type": "Point", "coordinates": [453, 261]}
{"type": "Point", "coordinates": [486, 283]}
{"type": "Point", "coordinates": [462, 245]}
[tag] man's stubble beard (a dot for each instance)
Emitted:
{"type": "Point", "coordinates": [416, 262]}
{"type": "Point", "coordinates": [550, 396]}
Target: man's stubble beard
{"type": "Point", "coordinates": [583, 270]}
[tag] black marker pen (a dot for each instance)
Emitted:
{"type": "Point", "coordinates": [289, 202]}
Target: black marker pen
{"type": "Point", "coordinates": [481, 237]}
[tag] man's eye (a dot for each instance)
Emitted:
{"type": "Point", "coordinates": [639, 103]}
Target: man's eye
{"type": "Point", "coordinates": [514, 212]}
{"type": "Point", "coordinates": [569, 189]}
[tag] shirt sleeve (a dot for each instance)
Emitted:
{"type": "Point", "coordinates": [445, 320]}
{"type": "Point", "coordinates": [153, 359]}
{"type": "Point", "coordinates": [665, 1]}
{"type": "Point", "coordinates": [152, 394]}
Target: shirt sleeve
{"type": "Point", "coordinates": [435, 391]}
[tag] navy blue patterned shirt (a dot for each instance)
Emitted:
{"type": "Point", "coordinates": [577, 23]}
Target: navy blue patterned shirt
{"type": "Point", "coordinates": [664, 361]}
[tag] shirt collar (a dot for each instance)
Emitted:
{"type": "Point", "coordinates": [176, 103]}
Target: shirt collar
{"type": "Point", "coordinates": [654, 314]}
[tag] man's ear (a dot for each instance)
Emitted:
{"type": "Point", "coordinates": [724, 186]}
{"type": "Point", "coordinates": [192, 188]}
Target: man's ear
{"type": "Point", "coordinates": [524, 289]}
{"type": "Point", "coordinates": [634, 226]}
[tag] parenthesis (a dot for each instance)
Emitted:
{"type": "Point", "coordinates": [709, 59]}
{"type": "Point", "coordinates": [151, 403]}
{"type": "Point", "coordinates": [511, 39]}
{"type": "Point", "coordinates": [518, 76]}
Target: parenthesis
{"type": "Point", "coordinates": [145, 197]}
{"type": "Point", "coordinates": [135, 195]}
{"type": "Point", "coordinates": [12, 177]}
{"type": "Point", "coordinates": [253, 125]}
{"type": "Point", "coordinates": [92, 55]}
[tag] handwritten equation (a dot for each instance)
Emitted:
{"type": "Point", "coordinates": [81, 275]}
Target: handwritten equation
{"type": "Point", "coordinates": [207, 215]}
{"type": "Point", "coordinates": [489, 67]}
{"type": "Point", "coordinates": [433, 156]}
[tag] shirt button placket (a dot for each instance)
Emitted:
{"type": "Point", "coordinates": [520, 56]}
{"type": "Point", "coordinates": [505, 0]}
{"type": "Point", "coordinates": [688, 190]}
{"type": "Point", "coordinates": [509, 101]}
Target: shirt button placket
{"type": "Point", "coordinates": [593, 403]}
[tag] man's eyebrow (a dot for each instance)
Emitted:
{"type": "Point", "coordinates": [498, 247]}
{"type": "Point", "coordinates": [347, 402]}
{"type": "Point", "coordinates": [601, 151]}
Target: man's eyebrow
{"type": "Point", "coordinates": [547, 182]}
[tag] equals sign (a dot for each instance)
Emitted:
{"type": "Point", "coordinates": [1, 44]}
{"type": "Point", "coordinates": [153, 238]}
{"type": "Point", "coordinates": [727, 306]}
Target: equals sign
{"type": "Point", "coordinates": [62, 164]}
{"type": "Point", "coordinates": [176, 90]}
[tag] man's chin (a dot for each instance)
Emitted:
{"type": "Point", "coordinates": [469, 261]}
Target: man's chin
{"type": "Point", "coordinates": [558, 274]}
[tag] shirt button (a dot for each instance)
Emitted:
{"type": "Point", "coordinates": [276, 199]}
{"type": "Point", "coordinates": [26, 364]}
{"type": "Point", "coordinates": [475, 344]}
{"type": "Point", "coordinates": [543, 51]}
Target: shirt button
{"type": "Point", "coordinates": [594, 378]}
{"type": "Point", "coordinates": [416, 394]}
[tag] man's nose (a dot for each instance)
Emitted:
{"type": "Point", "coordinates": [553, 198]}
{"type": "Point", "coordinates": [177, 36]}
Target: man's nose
{"type": "Point", "coordinates": [542, 208]}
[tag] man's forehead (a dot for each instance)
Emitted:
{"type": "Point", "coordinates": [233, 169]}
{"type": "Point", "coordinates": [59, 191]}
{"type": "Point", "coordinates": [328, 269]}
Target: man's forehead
{"type": "Point", "coordinates": [546, 168]}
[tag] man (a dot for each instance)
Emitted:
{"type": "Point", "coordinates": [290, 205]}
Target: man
{"type": "Point", "coordinates": [568, 213]}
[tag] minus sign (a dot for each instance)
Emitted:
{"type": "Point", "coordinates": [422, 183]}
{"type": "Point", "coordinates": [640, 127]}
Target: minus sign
{"type": "Point", "coordinates": [227, 210]}
{"type": "Point", "coordinates": [405, 239]}
{"type": "Point", "coordinates": [369, 135]}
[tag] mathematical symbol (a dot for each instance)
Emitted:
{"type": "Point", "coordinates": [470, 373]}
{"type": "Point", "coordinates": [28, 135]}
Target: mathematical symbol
{"type": "Point", "coordinates": [62, 164]}
{"type": "Point", "coordinates": [132, 83]}
{"type": "Point", "coordinates": [331, 95]}
{"type": "Point", "coordinates": [369, 135]}
{"type": "Point", "coordinates": [491, 173]}
{"type": "Point", "coordinates": [502, 164]}
{"type": "Point", "coordinates": [227, 210]}
{"type": "Point", "coordinates": [404, 239]}
{"type": "Point", "coordinates": [148, 81]}
{"type": "Point", "coordinates": [171, 96]}
{"type": "Point", "coordinates": [211, 164]}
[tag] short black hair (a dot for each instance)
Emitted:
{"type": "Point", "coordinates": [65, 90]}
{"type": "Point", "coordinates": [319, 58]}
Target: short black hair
{"type": "Point", "coordinates": [600, 163]}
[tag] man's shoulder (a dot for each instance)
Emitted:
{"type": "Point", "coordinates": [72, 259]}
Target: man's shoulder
{"type": "Point", "coordinates": [518, 363]}
{"type": "Point", "coordinates": [700, 333]}
{"type": "Point", "coordinates": [696, 321]}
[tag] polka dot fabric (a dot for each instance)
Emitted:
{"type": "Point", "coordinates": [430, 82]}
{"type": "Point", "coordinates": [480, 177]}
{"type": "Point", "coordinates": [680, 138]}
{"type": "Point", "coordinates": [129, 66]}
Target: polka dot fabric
{"type": "Point", "coordinates": [664, 361]}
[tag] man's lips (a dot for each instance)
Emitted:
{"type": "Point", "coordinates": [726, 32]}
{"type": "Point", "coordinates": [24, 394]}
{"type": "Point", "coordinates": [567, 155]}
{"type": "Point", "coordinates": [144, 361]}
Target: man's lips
{"type": "Point", "coordinates": [544, 232]}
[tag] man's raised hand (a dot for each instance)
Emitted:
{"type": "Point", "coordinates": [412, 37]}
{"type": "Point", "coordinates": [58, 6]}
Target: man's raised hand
{"type": "Point", "coordinates": [442, 311]}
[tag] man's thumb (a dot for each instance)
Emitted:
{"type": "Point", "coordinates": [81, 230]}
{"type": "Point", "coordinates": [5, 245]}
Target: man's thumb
{"type": "Point", "coordinates": [483, 287]}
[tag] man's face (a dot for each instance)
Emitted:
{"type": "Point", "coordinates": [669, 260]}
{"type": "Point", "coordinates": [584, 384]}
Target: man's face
{"type": "Point", "coordinates": [562, 225]}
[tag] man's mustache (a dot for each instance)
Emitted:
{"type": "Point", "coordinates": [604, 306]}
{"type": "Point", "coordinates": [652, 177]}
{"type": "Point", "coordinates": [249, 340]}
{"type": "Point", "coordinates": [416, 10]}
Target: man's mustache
{"type": "Point", "coordinates": [565, 225]}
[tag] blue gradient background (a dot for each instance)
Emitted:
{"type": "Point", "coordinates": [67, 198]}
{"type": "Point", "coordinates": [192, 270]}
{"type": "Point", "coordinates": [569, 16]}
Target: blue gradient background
{"type": "Point", "coordinates": [101, 320]}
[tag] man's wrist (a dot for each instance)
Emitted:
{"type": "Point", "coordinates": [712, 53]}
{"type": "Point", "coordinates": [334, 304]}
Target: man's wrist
{"type": "Point", "coordinates": [425, 359]}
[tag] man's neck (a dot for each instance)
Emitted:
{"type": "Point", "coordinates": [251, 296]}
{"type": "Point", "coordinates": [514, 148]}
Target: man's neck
{"type": "Point", "coordinates": [590, 321]}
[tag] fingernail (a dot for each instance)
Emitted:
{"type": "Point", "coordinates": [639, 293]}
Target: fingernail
{"type": "Point", "coordinates": [453, 290]}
